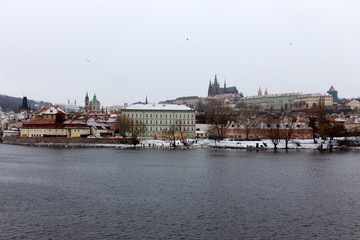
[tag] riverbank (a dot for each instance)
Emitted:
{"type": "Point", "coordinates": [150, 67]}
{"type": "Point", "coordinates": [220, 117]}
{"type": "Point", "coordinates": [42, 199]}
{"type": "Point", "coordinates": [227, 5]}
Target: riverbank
{"type": "Point", "coordinates": [159, 144]}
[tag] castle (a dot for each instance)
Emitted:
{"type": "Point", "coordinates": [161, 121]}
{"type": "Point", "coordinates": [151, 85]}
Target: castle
{"type": "Point", "coordinates": [215, 89]}
{"type": "Point", "coordinates": [93, 105]}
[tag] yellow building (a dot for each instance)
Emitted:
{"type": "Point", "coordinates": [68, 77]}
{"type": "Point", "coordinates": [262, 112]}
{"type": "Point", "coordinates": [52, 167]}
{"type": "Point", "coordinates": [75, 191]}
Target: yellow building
{"type": "Point", "coordinates": [306, 101]}
{"type": "Point", "coordinates": [50, 113]}
{"type": "Point", "coordinates": [54, 122]}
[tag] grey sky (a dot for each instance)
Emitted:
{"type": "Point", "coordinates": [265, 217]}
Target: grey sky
{"type": "Point", "coordinates": [137, 47]}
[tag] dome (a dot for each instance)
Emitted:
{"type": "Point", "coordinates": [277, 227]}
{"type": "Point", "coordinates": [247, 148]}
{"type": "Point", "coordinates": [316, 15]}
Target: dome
{"type": "Point", "coordinates": [94, 101]}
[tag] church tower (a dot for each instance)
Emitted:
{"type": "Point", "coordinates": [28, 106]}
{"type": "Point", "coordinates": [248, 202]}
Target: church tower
{"type": "Point", "coordinates": [259, 92]}
{"type": "Point", "coordinates": [94, 104]}
{"type": "Point", "coordinates": [87, 104]}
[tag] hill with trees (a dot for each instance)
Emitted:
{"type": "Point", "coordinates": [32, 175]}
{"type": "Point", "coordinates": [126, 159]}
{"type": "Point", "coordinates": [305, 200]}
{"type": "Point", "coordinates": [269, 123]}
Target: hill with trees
{"type": "Point", "coordinates": [9, 103]}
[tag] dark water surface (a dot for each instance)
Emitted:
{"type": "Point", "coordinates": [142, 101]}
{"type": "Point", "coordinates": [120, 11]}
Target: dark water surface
{"type": "Point", "coordinates": [58, 193]}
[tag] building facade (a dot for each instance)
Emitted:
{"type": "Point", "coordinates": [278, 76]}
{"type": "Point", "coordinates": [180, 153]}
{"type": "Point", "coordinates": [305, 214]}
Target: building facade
{"type": "Point", "coordinates": [271, 102]}
{"type": "Point", "coordinates": [307, 101]}
{"type": "Point", "coordinates": [160, 118]}
{"type": "Point", "coordinates": [93, 105]}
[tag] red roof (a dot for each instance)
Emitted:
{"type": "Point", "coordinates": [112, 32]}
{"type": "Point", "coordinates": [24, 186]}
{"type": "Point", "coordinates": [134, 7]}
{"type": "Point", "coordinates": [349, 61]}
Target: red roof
{"type": "Point", "coordinates": [332, 88]}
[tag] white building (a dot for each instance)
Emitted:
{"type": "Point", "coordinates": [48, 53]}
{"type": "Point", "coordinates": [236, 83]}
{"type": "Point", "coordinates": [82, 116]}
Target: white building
{"type": "Point", "coordinates": [159, 118]}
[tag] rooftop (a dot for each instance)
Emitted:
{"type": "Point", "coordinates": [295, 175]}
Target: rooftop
{"type": "Point", "coordinates": [159, 107]}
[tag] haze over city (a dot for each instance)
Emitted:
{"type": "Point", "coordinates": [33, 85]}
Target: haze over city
{"type": "Point", "coordinates": [125, 50]}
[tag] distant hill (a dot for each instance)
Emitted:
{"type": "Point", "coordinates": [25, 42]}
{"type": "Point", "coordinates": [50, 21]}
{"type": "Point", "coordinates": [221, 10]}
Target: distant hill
{"type": "Point", "coordinates": [8, 103]}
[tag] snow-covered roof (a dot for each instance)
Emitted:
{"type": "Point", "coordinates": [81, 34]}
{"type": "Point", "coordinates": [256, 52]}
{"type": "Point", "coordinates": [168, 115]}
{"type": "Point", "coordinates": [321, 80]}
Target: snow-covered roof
{"type": "Point", "coordinates": [354, 101]}
{"type": "Point", "coordinates": [52, 110]}
{"type": "Point", "coordinates": [160, 107]}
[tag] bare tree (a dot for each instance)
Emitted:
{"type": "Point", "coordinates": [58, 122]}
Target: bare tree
{"type": "Point", "coordinates": [249, 122]}
{"type": "Point", "coordinates": [272, 130]}
{"type": "Point", "coordinates": [133, 129]}
{"type": "Point", "coordinates": [170, 133]}
{"type": "Point", "coordinates": [218, 115]}
{"type": "Point", "coordinates": [317, 121]}
{"type": "Point", "coordinates": [288, 128]}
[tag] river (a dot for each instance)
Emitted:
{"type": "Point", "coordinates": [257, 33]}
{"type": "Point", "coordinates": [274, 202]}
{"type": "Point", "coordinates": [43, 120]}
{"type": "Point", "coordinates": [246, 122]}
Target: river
{"type": "Point", "coordinates": [103, 193]}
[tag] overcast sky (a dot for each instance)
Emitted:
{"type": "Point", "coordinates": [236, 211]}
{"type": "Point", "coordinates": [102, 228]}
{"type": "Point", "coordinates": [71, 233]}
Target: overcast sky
{"type": "Point", "coordinates": [123, 50]}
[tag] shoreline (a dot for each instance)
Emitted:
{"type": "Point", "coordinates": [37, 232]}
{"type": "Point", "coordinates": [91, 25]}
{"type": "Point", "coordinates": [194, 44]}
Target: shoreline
{"type": "Point", "coordinates": [264, 145]}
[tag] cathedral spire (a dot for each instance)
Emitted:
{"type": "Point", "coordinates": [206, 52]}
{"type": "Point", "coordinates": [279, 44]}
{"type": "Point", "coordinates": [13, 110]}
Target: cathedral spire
{"type": "Point", "coordinates": [225, 83]}
{"type": "Point", "coordinates": [146, 100]}
{"type": "Point", "coordinates": [259, 92]}
{"type": "Point", "coordinates": [215, 81]}
{"type": "Point", "coordinates": [266, 91]}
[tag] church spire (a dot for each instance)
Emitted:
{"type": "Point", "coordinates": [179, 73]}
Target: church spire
{"type": "Point", "coordinates": [215, 81]}
{"type": "Point", "coordinates": [225, 83]}
{"type": "Point", "coordinates": [266, 91]}
{"type": "Point", "coordinates": [146, 100]}
{"type": "Point", "coordinates": [259, 92]}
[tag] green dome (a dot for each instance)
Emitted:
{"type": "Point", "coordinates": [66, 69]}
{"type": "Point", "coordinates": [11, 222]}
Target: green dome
{"type": "Point", "coordinates": [94, 101]}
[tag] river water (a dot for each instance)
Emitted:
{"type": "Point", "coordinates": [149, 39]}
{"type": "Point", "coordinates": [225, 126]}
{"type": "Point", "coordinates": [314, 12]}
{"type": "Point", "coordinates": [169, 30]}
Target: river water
{"type": "Point", "coordinates": [84, 193]}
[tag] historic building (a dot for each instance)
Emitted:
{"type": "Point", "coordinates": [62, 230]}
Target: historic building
{"type": "Point", "coordinates": [215, 89]}
{"type": "Point", "coordinates": [312, 100]}
{"type": "Point", "coordinates": [236, 131]}
{"type": "Point", "coordinates": [334, 94]}
{"type": "Point", "coordinates": [160, 118]}
{"type": "Point", "coordinates": [271, 102]}
{"type": "Point", "coordinates": [93, 105]}
{"type": "Point", "coordinates": [24, 106]}
{"type": "Point", "coordinates": [54, 122]}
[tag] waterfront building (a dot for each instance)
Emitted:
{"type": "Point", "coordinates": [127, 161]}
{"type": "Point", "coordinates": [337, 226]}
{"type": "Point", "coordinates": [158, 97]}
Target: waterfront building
{"type": "Point", "coordinates": [53, 112]}
{"type": "Point", "coordinates": [100, 128]}
{"type": "Point", "coordinates": [236, 131]}
{"type": "Point", "coordinates": [160, 118]}
{"type": "Point", "coordinates": [55, 128]}
{"type": "Point", "coordinates": [54, 122]}
{"type": "Point", "coordinates": [215, 89]}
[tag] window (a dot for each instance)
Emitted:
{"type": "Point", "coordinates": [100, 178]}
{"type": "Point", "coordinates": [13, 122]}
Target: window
{"type": "Point", "coordinates": [161, 115]}
{"type": "Point", "coordinates": [156, 115]}
{"type": "Point", "coordinates": [146, 115]}
{"type": "Point", "coordinates": [150, 115]}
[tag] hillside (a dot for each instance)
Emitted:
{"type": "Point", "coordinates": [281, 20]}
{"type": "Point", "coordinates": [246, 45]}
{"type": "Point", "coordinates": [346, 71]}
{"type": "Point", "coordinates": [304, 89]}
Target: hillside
{"type": "Point", "coordinates": [8, 103]}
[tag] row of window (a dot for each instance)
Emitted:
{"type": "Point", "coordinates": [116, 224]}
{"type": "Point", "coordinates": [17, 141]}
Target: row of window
{"type": "Point", "coordinates": [166, 122]}
{"type": "Point", "coordinates": [160, 115]}
{"type": "Point", "coordinates": [166, 129]}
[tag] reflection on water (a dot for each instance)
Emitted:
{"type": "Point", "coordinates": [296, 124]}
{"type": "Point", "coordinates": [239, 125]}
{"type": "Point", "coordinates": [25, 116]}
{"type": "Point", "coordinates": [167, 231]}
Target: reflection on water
{"type": "Point", "coordinates": [53, 193]}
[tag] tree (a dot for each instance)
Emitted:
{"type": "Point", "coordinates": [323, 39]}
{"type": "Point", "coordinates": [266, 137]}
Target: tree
{"type": "Point", "coordinates": [170, 133]}
{"type": "Point", "coordinates": [317, 121]}
{"type": "Point", "coordinates": [218, 115]}
{"type": "Point", "coordinates": [132, 129]}
{"type": "Point", "coordinates": [249, 121]}
{"type": "Point", "coordinates": [272, 129]}
{"type": "Point", "coordinates": [288, 128]}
